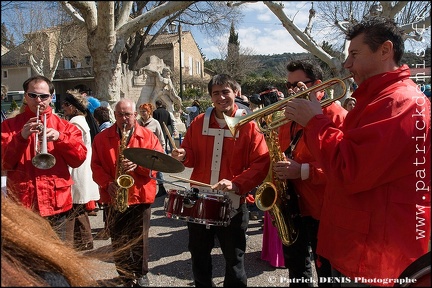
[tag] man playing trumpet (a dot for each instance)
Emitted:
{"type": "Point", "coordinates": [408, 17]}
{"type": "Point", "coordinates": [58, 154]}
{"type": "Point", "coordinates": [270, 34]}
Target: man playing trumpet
{"type": "Point", "coordinates": [46, 191]}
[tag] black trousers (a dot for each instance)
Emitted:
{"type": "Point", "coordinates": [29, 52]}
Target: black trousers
{"type": "Point", "coordinates": [129, 239]}
{"type": "Point", "coordinates": [232, 240]}
{"type": "Point", "coordinates": [298, 256]}
{"type": "Point", "coordinates": [59, 223]}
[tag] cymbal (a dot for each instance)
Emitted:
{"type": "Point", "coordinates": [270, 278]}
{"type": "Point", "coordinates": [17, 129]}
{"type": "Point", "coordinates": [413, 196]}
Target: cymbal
{"type": "Point", "coordinates": [153, 160]}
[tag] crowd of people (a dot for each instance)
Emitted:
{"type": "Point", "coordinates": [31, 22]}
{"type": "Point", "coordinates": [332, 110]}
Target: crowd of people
{"type": "Point", "coordinates": [357, 176]}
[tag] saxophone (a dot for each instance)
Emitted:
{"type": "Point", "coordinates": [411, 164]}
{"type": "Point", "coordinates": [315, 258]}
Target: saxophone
{"type": "Point", "coordinates": [124, 181]}
{"type": "Point", "coordinates": [272, 194]}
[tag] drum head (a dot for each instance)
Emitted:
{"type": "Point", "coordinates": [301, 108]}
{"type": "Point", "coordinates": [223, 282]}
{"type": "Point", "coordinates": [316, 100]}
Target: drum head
{"type": "Point", "coordinates": [420, 271]}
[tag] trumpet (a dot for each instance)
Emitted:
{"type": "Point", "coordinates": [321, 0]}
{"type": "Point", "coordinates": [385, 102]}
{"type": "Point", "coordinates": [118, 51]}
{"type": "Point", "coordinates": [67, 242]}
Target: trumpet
{"type": "Point", "coordinates": [43, 159]}
{"type": "Point", "coordinates": [234, 123]}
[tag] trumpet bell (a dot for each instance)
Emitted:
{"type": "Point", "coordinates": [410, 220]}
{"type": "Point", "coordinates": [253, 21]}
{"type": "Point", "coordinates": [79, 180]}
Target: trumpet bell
{"type": "Point", "coordinates": [44, 161]}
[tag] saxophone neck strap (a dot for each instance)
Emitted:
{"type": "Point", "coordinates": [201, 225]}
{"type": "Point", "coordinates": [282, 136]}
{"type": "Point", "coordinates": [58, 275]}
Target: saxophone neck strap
{"type": "Point", "coordinates": [294, 140]}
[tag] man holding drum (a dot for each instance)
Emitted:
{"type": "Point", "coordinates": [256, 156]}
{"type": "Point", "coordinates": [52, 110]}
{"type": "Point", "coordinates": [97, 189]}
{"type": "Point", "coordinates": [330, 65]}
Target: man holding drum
{"type": "Point", "coordinates": [45, 191]}
{"type": "Point", "coordinates": [234, 165]}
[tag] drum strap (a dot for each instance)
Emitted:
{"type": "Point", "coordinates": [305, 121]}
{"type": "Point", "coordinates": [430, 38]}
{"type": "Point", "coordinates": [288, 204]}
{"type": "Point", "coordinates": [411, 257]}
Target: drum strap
{"type": "Point", "coordinates": [219, 135]}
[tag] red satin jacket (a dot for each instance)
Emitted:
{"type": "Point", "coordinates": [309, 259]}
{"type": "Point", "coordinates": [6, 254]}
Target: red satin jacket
{"type": "Point", "coordinates": [245, 161]}
{"type": "Point", "coordinates": [311, 190]}
{"type": "Point", "coordinates": [104, 162]}
{"type": "Point", "coordinates": [375, 219]}
{"type": "Point", "coordinates": [45, 191]}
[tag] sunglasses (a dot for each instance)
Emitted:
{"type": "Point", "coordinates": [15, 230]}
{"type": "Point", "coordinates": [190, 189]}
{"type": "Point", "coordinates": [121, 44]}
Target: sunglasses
{"type": "Point", "coordinates": [41, 96]}
{"type": "Point", "coordinates": [290, 85]}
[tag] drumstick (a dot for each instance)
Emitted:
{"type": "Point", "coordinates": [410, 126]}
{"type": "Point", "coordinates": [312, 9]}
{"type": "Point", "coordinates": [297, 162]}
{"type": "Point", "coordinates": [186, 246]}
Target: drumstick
{"type": "Point", "coordinates": [192, 181]}
{"type": "Point", "coordinates": [173, 145]}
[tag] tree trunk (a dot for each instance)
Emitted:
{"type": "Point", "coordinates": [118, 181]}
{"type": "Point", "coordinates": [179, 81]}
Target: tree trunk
{"type": "Point", "coordinates": [107, 73]}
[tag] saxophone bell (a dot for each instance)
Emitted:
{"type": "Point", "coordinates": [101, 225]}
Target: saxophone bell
{"type": "Point", "coordinates": [274, 195]}
{"type": "Point", "coordinates": [123, 180]}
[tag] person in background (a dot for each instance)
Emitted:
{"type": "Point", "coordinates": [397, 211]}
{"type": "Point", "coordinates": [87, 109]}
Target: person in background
{"type": "Point", "coordinates": [192, 111]}
{"type": "Point", "coordinates": [129, 228]}
{"type": "Point", "coordinates": [173, 130]}
{"type": "Point", "coordinates": [93, 102]}
{"type": "Point", "coordinates": [162, 115]}
{"type": "Point", "coordinates": [84, 189]}
{"type": "Point", "coordinates": [102, 116]}
{"type": "Point", "coordinates": [349, 103]}
{"type": "Point", "coordinates": [241, 100]}
{"type": "Point", "coordinates": [146, 120]}
{"type": "Point", "coordinates": [34, 256]}
{"type": "Point", "coordinates": [375, 219]}
{"type": "Point", "coordinates": [304, 176]}
{"type": "Point", "coordinates": [241, 166]}
{"type": "Point", "coordinates": [111, 112]}
{"type": "Point", "coordinates": [45, 191]}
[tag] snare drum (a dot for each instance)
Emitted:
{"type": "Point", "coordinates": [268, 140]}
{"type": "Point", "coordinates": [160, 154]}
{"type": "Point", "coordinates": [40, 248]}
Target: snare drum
{"type": "Point", "coordinates": [198, 206]}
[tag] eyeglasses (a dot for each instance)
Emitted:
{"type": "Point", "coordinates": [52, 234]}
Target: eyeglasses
{"type": "Point", "coordinates": [41, 96]}
{"type": "Point", "coordinates": [290, 85]}
{"type": "Point", "coordinates": [127, 115]}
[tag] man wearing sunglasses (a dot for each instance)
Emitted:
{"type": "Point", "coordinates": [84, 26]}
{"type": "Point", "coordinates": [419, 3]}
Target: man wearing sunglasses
{"type": "Point", "coordinates": [45, 191]}
{"type": "Point", "coordinates": [305, 177]}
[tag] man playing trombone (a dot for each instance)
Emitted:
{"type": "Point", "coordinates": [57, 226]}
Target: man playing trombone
{"type": "Point", "coordinates": [36, 155]}
{"type": "Point", "coordinates": [375, 219]}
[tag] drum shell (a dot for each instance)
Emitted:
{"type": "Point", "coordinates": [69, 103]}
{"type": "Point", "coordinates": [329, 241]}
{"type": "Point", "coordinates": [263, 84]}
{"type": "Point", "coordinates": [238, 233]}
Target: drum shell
{"type": "Point", "coordinates": [208, 208]}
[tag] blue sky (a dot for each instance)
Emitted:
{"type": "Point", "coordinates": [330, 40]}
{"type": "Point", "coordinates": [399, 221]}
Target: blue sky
{"type": "Point", "coordinates": [260, 31]}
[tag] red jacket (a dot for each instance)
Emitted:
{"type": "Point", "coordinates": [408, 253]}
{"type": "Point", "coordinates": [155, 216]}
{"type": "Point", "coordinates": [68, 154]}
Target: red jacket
{"type": "Point", "coordinates": [245, 161]}
{"type": "Point", "coordinates": [311, 190]}
{"type": "Point", "coordinates": [104, 159]}
{"type": "Point", "coordinates": [375, 219]}
{"type": "Point", "coordinates": [46, 191]}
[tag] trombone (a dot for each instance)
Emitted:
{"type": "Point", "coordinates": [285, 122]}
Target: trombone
{"type": "Point", "coordinates": [43, 159]}
{"type": "Point", "coordinates": [234, 123]}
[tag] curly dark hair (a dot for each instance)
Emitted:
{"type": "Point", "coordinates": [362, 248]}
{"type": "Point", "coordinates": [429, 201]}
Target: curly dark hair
{"type": "Point", "coordinates": [313, 71]}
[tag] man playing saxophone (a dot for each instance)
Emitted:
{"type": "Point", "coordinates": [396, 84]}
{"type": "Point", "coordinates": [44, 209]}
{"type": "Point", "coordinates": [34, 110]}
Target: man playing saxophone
{"type": "Point", "coordinates": [306, 176]}
{"type": "Point", "coordinates": [128, 188]}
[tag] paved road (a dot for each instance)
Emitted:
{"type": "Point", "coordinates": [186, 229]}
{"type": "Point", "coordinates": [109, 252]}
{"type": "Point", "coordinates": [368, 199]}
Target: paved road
{"type": "Point", "coordinates": [170, 263]}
